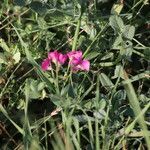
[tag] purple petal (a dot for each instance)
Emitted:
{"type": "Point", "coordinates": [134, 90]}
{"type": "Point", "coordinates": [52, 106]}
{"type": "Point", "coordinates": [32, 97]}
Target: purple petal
{"type": "Point", "coordinates": [85, 65]}
{"type": "Point", "coordinates": [62, 58]}
{"type": "Point", "coordinates": [45, 64]}
{"type": "Point", "coordinates": [54, 56]}
{"type": "Point", "coordinates": [57, 58]}
{"type": "Point", "coordinates": [75, 61]}
{"type": "Point", "coordinates": [75, 54]}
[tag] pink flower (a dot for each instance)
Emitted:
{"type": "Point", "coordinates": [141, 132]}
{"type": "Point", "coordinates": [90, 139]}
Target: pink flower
{"type": "Point", "coordinates": [46, 64]}
{"type": "Point", "coordinates": [75, 54]}
{"type": "Point", "coordinates": [82, 65]}
{"type": "Point", "coordinates": [85, 65]}
{"type": "Point", "coordinates": [57, 57]}
{"type": "Point", "coordinates": [76, 61]}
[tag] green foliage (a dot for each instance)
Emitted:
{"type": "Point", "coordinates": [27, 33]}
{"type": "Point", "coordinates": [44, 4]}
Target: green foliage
{"type": "Point", "coordinates": [105, 108]}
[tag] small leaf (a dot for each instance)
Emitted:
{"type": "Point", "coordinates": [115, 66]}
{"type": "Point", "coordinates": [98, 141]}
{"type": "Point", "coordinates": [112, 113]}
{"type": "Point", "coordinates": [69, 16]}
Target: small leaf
{"type": "Point", "coordinates": [116, 23]}
{"type": "Point", "coordinates": [20, 2]}
{"type": "Point", "coordinates": [100, 114]}
{"type": "Point", "coordinates": [107, 56]}
{"type": "Point", "coordinates": [17, 57]}
{"type": "Point", "coordinates": [35, 89]}
{"type": "Point", "coordinates": [118, 72]}
{"type": "Point", "coordinates": [38, 7]}
{"type": "Point", "coordinates": [102, 103]}
{"type": "Point", "coordinates": [41, 86]}
{"type": "Point", "coordinates": [71, 91]}
{"type": "Point", "coordinates": [105, 81]}
{"type": "Point", "coordinates": [4, 45]}
{"type": "Point", "coordinates": [116, 9]}
{"type": "Point", "coordinates": [118, 99]}
{"type": "Point", "coordinates": [3, 59]}
{"type": "Point", "coordinates": [117, 42]}
{"type": "Point", "coordinates": [92, 55]}
{"type": "Point", "coordinates": [147, 53]}
{"type": "Point", "coordinates": [42, 23]}
{"type": "Point", "coordinates": [129, 32]}
{"type": "Point", "coordinates": [57, 100]}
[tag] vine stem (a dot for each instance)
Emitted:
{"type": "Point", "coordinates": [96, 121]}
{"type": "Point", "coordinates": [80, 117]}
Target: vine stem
{"type": "Point", "coordinates": [76, 34]}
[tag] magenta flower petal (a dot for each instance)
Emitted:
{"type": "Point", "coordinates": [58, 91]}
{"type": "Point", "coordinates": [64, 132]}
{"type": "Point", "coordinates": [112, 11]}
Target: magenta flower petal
{"type": "Point", "coordinates": [62, 58]}
{"type": "Point", "coordinates": [45, 64]}
{"type": "Point", "coordinates": [54, 56]}
{"type": "Point", "coordinates": [75, 61]}
{"type": "Point", "coordinates": [85, 65]}
{"type": "Point", "coordinates": [75, 54]}
{"type": "Point", "coordinates": [57, 57]}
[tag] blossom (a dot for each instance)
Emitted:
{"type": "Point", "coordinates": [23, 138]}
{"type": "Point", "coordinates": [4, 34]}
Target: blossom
{"type": "Point", "coordinates": [77, 62]}
{"type": "Point", "coordinates": [82, 65]}
{"type": "Point", "coordinates": [75, 54]}
{"type": "Point", "coordinates": [46, 64]}
{"type": "Point", "coordinates": [57, 57]}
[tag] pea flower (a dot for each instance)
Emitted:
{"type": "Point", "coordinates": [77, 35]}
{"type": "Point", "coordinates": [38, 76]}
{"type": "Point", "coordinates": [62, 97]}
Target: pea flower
{"type": "Point", "coordinates": [57, 57]}
{"type": "Point", "coordinates": [75, 54]}
{"type": "Point", "coordinates": [77, 62]}
{"type": "Point", "coordinates": [82, 65]}
{"type": "Point", "coordinates": [46, 64]}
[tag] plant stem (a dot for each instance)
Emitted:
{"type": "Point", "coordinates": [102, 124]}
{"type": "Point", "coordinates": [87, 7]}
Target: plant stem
{"type": "Point", "coordinates": [57, 80]}
{"type": "Point", "coordinates": [133, 100]}
{"type": "Point", "coordinates": [76, 34]}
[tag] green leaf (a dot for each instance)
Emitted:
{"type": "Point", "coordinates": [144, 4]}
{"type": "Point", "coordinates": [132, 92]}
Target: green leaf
{"type": "Point", "coordinates": [100, 114]}
{"type": "Point", "coordinates": [42, 23]}
{"type": "Point", "coordinates": [116, 23]}
{"type": "Point", "coordinates": [17, 57]}
{"type": "Point", "coordinates": [36, 88]}
{"type": "Point", "coordinates": [3, 59]}
{"type": "Point", "coordinates": [147, 53]}
{"type": "Point", "coordinates": [91, 55]}
{"type": "Point", "coordinates": [105, 81]}
{"type": "Point", "coordinates": [107, 56]}
{"type": "Point", "coordinates": [20, 2]}
{"type": "Point", "coordinates": [126, 49]}
{"type": "Point", "coordinates": [4, 45]}
{"type": "Point", "coordinates": [120, 95]}
{"type": "Point", "coordinates": [102, 103]}
{"type": "Point", "coordinates": [38, 7]}
{"type": "Point", "coordinates": [118, 72]}
{"type": "Point", "coordinates": [117, 42]}
{"type": "Point", "coordinates": [41, 86]}
{"type": "Point", "coordinates": [60, 101]}
{"type": "Point", "coordinates": [116, 9]}
{"type": "Point", "coordinates": [129, 32]}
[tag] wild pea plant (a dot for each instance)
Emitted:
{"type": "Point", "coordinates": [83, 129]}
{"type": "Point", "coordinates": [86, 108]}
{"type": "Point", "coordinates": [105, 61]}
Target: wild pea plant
{"type": "Point", "coordinates": [91, 91]}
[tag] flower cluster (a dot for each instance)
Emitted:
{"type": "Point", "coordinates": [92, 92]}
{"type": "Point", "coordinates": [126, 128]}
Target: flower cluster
{"type": "Point", "coordinates": [76, 61]}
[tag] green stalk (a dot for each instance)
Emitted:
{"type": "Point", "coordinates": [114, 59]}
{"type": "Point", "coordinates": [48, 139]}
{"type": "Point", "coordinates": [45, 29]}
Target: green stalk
{"type": "Point", "coordinates": [76, 34]}
{"type": "Point", "coordinates": [133, 100]}
{"type": "Point", "coordinates": [27, 138]}
{"type": "Point", "coordinates": [97, 144]}
{"type": "Point", "coordinates": [57, 80]}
